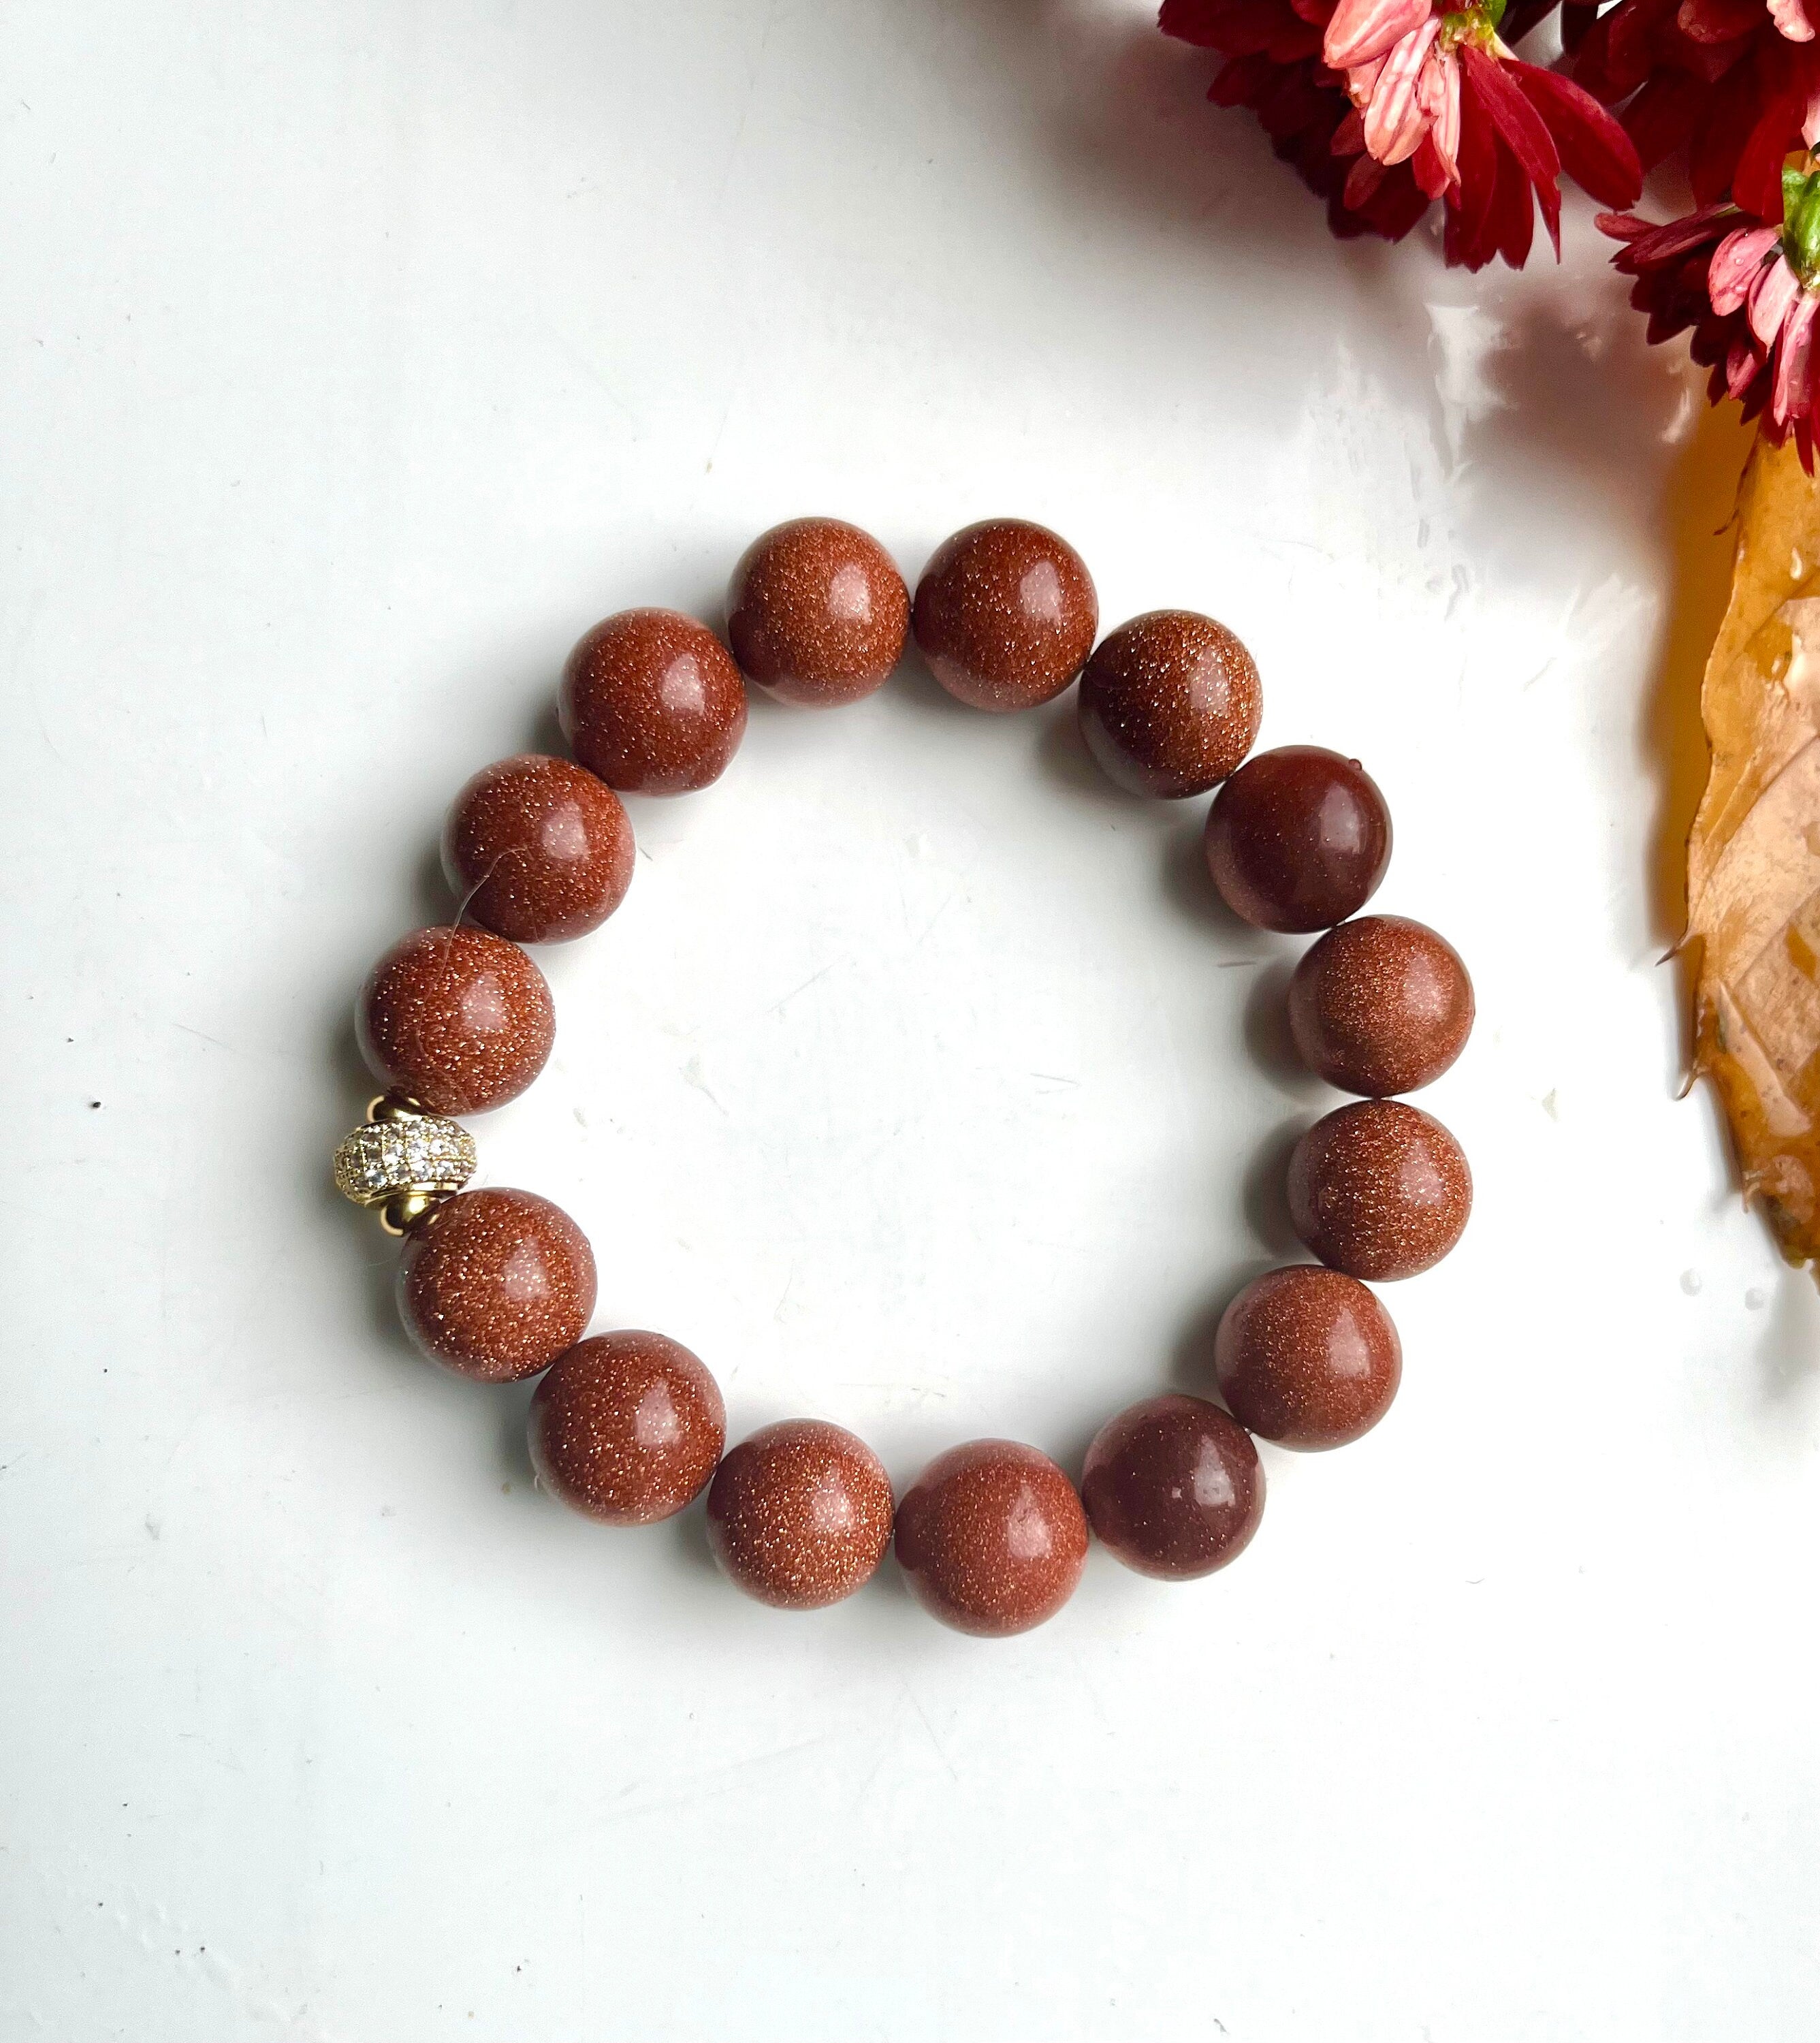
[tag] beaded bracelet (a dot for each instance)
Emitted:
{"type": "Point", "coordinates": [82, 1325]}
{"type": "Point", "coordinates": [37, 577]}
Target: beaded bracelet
{"type": "Point", "coordinates": [629, 1428]}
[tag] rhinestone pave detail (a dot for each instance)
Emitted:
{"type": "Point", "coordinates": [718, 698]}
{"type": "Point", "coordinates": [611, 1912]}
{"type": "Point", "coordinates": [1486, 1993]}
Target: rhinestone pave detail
{"type": "Point", "coordinates": [420, 1153]}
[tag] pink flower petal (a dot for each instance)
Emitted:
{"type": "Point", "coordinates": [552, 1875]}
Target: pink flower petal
{"type": "Point", "coordinates": [1438, 92]}
{"type": "Point", "coordinates": [1773, 291]}
{"type": "Point", "coordinates": [1362, 82]}
{"type": "Point", "coordinates": [1740, 366]}
{"type": "Point", "coordinates": [1394, 121]}
{"type": "Point", "coordinates": [1792, 394]}
{"type": "Point", "coordinates": [1735, 264]}
{"type": "Point", "coordinates": [1791, 17]}
{"type": "Point", "coordinates": [1362, 29]}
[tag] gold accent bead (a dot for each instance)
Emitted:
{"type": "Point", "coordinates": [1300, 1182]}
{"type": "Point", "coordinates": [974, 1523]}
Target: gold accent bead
{"type": "Point", "coordinates": [404, 1161]}
{"type": "Point", "coordinates": [400, 1215]}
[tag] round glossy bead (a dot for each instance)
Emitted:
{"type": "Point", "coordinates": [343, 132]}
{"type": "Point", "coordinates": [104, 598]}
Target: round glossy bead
{"type": "Point", "coordinates": [1173, 1487]}
{"type": "Point", "coordinates": [1298, 839]}
{"type": "Point", "coordinates": [799, 1515]}
{"type": "Point", "coordinates": [652, 702]}
{"type": "Point", "coordinates": [1379, 1190]}
{"type": "Point", "coordinates": [1380, 1006]}
{"type": "Point", "coordinates": [539, 849]}
{"type": "Point", "coordinates": [457, 1019]}
{"type": "Point", "coordinates": [817, 612]}
{"type": "Point", "coordinates": [495, 1284]}
{"type": "Point", "coordinates": [1170, 703]}
{"type": "Point", "coordinates": [1005, 614]}
{"type": "Point", "coordinates": [1308, 1358]}
{"type": "Point", "coordinates": [992, 1537]}
{"type": "Point", "coordinates": [627, 1428]}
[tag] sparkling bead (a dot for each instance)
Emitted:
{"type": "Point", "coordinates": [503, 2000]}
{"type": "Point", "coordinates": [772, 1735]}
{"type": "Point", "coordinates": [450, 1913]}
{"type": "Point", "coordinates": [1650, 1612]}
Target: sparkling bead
{"type": "Point", "coordinates": [400, 1152]}
{"type": "Point", "coordinates": [652, 702]}
{"type": "Point", "coordinates": [455, 1018]}
{"type": "Point", "coordinates": [799, 1515]}
{"type": "Point", "coordinates": [1307, 1357]}
{"type": "Point", "coordinates": [1005, 615]}
{"type": "Point", "coordinates": [817, 612]}
{"type": "Point", "coordinates": [1380, 1004]}
{"type": "Point", "coordinates": [627, 1428]}
{"type": "Point", "coordinates": [1170, 703]}
{"type": "Point", "coordinates": [539, 849]}
{"type": "Point", "coordinates": [495, 1284]}
{"type": "Point", "coordinates": [992, 1537]}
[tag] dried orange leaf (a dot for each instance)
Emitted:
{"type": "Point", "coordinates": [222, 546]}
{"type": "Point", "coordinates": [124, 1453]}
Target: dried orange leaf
{"type": "Point", "coordinates": [1753, 856]}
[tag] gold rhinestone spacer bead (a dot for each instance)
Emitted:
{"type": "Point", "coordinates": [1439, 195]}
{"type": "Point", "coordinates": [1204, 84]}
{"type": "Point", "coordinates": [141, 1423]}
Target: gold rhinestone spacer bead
{"type": "Point", "coordinates": [405, 1161]}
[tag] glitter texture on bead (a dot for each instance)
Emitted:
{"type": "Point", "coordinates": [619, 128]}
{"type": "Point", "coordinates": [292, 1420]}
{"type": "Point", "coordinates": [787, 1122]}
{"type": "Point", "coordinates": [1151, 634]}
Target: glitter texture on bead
{"type": "Point", "coordinates": [1380, 1190]}
{"type": "Point", "coordinates": [652, 702]}
{"type": "Point", "coordinates": [495, 1284]}
{"type": "Point", "coordinates": [1170, 703]}
{"type": "Point", "coordinates": [458, 1020]}
{"type": "Point", "coordinates": [799, 1515]}
{"type": "Point", "coordinates": [1005, 615]}
{"type": "Point", "coordinates": [992, 1537]}
{"type": "Point", "coordinates": [627, 1428]}
{"type": "Point", "coordinates": [1306, 1357]}
{"type": "Point", "coordinates": [1380, 1004]}
{"type": "Point", "coordinates": [539, 849]}
{"type": "Point", "coordinates": [817, 612]}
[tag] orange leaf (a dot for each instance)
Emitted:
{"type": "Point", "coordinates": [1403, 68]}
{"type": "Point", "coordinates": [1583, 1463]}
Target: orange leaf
{"type": "Point", "coordinates": [1753, 856]}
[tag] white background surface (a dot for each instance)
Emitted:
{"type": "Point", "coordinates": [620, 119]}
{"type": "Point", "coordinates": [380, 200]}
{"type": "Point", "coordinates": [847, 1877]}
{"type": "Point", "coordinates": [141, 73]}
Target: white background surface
{"type": "Point", "coordinates": [357, 357]}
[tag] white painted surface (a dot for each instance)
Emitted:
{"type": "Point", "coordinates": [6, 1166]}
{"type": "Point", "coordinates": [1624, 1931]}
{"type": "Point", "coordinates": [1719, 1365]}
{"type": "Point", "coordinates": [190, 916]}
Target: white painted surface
{"type": "Point", "coordinates": [357, 356]}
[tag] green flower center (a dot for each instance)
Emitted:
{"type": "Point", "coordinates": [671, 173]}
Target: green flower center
{"type": "Point", "coordinates": [1801, 220]}
{"type": "Point", "coordinates": [1477, 25]}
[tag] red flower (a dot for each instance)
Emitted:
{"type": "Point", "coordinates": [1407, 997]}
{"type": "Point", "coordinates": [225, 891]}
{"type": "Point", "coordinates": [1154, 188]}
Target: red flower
{"type": "Point", "coordinates": [1384, 106]}
{"type": "Point", "coordinates": [1734, 83]}
{"type": "Point", "coordinates": [1402, 77]}
{"type": "Point", "coordinates": [1749, 291]}
{"type": "Point", "coordinates": [1272, 66]}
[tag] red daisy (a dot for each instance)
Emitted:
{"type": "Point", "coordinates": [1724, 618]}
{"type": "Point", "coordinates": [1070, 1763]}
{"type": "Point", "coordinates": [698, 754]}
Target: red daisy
{"type": "Point", "coordinates": [1385, 106]}
{"type": "Point", "coordinates": [1749, 291]}
{"type": "Point", "coordinates": [1734, 83]}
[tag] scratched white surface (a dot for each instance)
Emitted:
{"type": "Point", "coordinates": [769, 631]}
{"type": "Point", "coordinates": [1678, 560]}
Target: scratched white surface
{"type": "Point", "coordinates": [357, 356]}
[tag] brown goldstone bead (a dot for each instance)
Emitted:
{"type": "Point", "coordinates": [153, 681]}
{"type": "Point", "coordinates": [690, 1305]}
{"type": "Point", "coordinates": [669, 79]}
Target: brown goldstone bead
{"type": "Point", "coordinates": [1298, 839]}
{"type": "Point", "coordinates": [652, 702]}
{"type": "Point", "coordinates": [1308, 1358]}
{"type": "Point", "coordinates": [1006, 614]}
{"type": "Point", "coordinates": [992, 1537]}
{"type": "Point", "coordinates": [1380, 1006]}
{"type": "Point", "coordinates": [1173, 1487]}
{"type": "Point", "coordinates": [495, 1284]}
{"type": "Point", "coordinates": [539, 849]}
{"type": "Point", "coordinates": [1379, 1190]}
{"type": "Point", "coordinates": [800, 1514]}
{"type": "Point", "coordinates": [1170, 703]}
{"type": "Point", "coordinates": [457, 1019]}
{"type": "Point", "coordinates": [817, 612]}
{"type": "Point", "coordinates": [626, 1428]}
